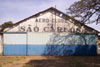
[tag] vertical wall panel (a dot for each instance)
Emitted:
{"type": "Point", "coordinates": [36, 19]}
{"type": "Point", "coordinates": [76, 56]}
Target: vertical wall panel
{"type": "Point", "coordinates": [38, 38]}
{"type": "Point", "coordinates": [37, 42]}
{"type": "Point", "coordinates": [61, 44]}
{"type": "Point", "coordinates": [49, 44]}
{"type": "Point", "coordinates": [1, 45]}
{"type": "Point", "coordinates": [14, 44]}
{"type": "Point", "coordinates": [72, 44]}
{"type": "Point", "coordinates": [14, 38]}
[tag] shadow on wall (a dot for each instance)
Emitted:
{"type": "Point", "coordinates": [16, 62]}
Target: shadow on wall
{"type": "Point", "coordinates": [71, 44]}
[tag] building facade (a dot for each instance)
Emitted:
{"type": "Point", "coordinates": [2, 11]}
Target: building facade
{"type": "Point", "coordinates": [49, 32]}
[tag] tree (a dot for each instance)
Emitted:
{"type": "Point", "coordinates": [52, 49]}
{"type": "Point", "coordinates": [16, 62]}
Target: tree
{"type": "Point", "coordinates": [6, 24]}
{"type": "Point", "coordinates": [87, 11]}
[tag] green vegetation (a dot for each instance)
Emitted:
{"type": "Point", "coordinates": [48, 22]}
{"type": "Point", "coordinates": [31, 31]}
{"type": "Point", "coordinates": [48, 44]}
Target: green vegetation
{"type": "Point", "coordinates": [26, 65]}
{"type": "Point", "coordinates": [9, 59]}
{"type": "Point", "coordinates": [0, 65]}
{"type": "Point", "coordinates": [86, 10]}
{"type": "Point", "coordinates": [6, 24]}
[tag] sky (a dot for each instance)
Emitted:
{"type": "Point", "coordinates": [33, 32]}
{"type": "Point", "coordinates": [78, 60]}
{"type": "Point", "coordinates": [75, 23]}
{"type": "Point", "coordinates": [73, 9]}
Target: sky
{"type": "Point", "coordinates": [16, 10]}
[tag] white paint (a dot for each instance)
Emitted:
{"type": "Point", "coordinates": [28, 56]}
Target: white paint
{"type": "Point", "coordinates": [38, 38]}
{"type": "Point", "coordinates": [1, 46]}
{"type": "Point", "coordinates": [14, 39]}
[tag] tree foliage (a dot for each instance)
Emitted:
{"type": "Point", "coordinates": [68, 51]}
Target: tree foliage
{"type": "Point", "coordinates": [6, 24]}
{"type": "Point", "coordinates": [87, 11]}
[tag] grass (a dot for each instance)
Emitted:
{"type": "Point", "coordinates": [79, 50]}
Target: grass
{"type": "Point", "coordinates": [26, 65]}
{"type": "Point", "coordinates": [59, 61]}
{"type": "Point", "coordinates": [78, 64]}
{"type": "Point", "coordinates": [9, 59]}
{"type": "Point", "coordinates": [0, 65]}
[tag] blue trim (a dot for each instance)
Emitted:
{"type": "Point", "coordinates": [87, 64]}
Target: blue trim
{"type": "Point", "coordinates": [62, 50]}
{"type": "Point", "coordinates": [50, 50]}
{"type": "Point", "coordinates": [36, 49]}
{"type": "Point", "coordinates": [14, 50]}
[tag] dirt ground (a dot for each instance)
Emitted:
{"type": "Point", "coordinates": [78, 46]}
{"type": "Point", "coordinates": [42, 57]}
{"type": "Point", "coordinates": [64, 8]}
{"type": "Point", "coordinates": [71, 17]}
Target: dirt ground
{"type": "Point", "coordinates": [50, 61]}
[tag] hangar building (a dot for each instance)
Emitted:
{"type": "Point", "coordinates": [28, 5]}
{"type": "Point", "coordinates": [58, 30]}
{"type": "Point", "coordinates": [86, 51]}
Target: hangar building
{"type": "Point", "coordinates": [49, 32]}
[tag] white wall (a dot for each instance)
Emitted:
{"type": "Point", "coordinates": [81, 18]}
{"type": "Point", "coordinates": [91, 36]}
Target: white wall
{"type": "Point", "coordinates": [14, 39]}
{"type": "Point", "coordinates": [1, 45]}
{"type": "Point", "coordinates": [38, 38]}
